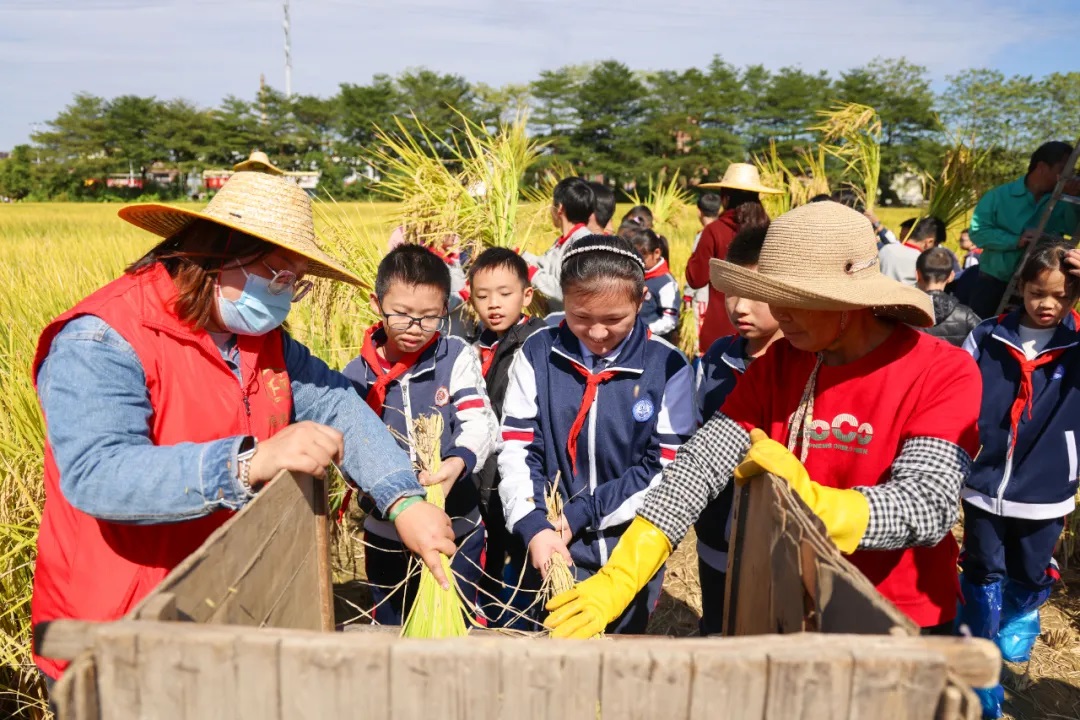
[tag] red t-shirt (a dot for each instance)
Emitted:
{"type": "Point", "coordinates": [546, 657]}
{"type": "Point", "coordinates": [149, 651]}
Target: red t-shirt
{"type": "Point", "coordinates": [714, 242]}
{"type": "Point", "coordinates": [912, 385]}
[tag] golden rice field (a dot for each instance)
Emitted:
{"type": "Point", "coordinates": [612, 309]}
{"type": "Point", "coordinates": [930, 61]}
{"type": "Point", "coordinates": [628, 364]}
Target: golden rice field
{"type": "Point", "coordinates": [52, 255]}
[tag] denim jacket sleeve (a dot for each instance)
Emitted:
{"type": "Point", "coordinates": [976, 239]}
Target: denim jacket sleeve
{"type": "Point", "coordinates": [373, 459]}
{"type": "Point", "coordinates": [97, 410]}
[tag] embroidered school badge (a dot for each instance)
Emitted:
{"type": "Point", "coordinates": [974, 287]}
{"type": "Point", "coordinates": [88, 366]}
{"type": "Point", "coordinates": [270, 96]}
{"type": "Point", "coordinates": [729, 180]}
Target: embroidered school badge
{"type": "Point", "coordinates": [442, 397]}
{"type": "Point", "coordinates": [643, 409]}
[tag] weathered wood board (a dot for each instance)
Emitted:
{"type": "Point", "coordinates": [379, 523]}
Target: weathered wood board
{"type": "Point", "coordinates": [178, 671]}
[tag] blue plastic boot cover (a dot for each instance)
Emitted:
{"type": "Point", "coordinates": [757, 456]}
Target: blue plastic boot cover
{"type": "Point", "coordinates": [1017, 636]}
{"type": "Point", "coordinates": [981, 610]}
{"type": "Point", "coordinates": [991, 699]}
{"type": "Point", "coordinates": [1020, 600]}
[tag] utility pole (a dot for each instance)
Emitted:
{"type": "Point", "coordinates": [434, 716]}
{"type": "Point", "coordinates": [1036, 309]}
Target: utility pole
{"type": "Point", "coordinates": [288, 54]}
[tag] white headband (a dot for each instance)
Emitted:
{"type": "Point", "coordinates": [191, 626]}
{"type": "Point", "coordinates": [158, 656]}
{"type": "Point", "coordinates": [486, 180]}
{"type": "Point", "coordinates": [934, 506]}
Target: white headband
{"type": "Point", "coordinates": [604, 248]}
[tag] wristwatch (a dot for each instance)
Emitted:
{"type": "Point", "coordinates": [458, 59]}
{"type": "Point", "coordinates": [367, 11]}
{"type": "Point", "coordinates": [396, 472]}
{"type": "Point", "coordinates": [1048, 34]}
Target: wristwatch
{"type": "Point", "coordinates": [248, 447]}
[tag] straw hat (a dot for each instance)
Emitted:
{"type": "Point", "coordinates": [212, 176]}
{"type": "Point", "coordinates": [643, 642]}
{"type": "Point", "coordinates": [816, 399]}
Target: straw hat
{"type": "Point", "coordinates": [823, 256]}
{"type": "Point", "coordinates": [258, 162]}
{"type": "Point", "coordinates": [741, 176]}
{"type": "Point", "coordinates": [268, 207]}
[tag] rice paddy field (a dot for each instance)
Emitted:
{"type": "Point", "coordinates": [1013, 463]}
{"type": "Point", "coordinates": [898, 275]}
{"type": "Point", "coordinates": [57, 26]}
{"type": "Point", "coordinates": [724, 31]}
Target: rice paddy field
{"type": "Point", "coordinates": [52, 255]}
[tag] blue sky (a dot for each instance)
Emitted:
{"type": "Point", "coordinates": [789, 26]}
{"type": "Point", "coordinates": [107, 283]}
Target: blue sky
{"type": "Point", "coordinates": [202, 50]}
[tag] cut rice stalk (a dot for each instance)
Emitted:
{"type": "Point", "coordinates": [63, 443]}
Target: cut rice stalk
{"type": "Point", "coordinates": [435, 613]}
{"type": "Point", "coordinates": [688, 331]}
{"type": "Point", "coordinates": [558, 577]}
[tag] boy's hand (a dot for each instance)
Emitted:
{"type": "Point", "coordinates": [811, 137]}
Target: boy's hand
{"type": "Point", "coordinates": [563, 528]}
{"type": "Point", "coordinates": [426, 530]}
{"type": "Point", "coordinates": [545, 544]}
{"type": "Point", "coordinates": [448, 474]}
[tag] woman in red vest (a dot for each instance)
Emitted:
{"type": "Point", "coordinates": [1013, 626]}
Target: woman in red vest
{"type": "Point", "coordinates": [740, 189]}
{"type": "Point", "coordinates": [871, 422]}
{"type": "Point", "coordinates": [172, 395]}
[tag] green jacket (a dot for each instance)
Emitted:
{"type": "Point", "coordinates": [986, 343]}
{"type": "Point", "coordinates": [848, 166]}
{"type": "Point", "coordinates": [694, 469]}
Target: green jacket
{"type": "Point", "coordinates": [1002, 215]}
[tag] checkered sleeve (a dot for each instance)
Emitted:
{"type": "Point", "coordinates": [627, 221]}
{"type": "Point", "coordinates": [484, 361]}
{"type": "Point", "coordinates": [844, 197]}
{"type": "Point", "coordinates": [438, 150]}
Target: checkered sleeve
{"type": "Point", "coordinates": [919, 503]}
{"type": "Point", "coordinates": [703, 467]}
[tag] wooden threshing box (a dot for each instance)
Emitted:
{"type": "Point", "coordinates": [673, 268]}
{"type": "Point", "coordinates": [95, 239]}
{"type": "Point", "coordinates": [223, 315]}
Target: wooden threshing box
{"type": "Point", "coordinates": [243, 629]}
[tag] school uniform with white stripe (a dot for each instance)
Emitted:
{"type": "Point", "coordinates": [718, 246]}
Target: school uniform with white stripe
{"type": "Point", "coordinates": [606, 427]}
{"type": "Point", "coordinates": [660, 310]}
{"type": "Point", "coordinates": [442, 377]}
{"type": "Point", "coordinates": [1024, 479]}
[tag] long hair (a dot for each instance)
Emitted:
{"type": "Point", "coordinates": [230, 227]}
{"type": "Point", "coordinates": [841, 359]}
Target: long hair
{"type": "Point", "coordinates": [749, 212]}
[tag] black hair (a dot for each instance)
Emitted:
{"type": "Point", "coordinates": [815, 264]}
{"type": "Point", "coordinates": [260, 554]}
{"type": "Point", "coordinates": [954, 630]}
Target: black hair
{"type": "Point", "coordinates": [928, 228]}
{"type": "Point", "coordinates": [576, 198]}
{"type": "Point", "coordinates": [849, 198]}
{"type": "Point", "coordinates": [709, 205]}
{"type": "Point", "coordinates": [745, 247]}
{"type": "Point", "coordinates": [905, 228]}
{"type": "Point", "coordinates": [1050, 255]}
{"type": "Point", "coordinates": [595, 260]}
{"type": "Point", "coordinates": [1050, 153]}
{"type": "Point", "coordinates": [603, 203]}
{"type": "Point", "coordinates": [645, 240]}
{"type": "Point", "coordinates": [639, 214]}
{"type": "Point", "coordinates": [412, 265]}
{"type": "Point", "coordinates": [500, 257]}
{"type": "Point", "coordinates": [935, 264]}
{"type": "Point", "coordinates": [820, 198]}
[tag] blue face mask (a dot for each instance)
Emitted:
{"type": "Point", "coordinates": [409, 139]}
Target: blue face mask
{"type": "Point", "coordinates": [257, 311]}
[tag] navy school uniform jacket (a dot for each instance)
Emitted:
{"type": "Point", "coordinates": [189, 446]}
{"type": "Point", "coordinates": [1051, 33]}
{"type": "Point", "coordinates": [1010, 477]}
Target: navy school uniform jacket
{"type": "Point", "coordinates": [660, 310]}
{"type": "Point", "coordinates": [721, 367]}
{"type": "Point", "coordinates": [1035, 478]}
{"type": "Point", "coordinates": [446, 379]}
{"type": "Point", "coordinates": [640, 417]}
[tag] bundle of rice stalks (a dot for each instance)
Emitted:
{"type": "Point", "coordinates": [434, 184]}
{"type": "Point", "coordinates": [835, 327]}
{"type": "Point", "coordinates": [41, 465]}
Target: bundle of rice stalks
{"type": "Point", "coordinates": [558, 577]}
{"type": "Point", "coordinates": [774, 173]}
{"type": "Point", "coordinates": [688, 339]}
{"type": "Point", "coordinates": [435, 613]}
{"type": "Point", "coordinates": [952, 196]}
{"type": "Point", "coordinates": [672, 206]}
{"type": "Point", "coordinates": [852, 133]}
{"type": "Point", "coordinates": [468, 187]}
{"type": "Point", "coordinates": [539, 198]}
{"type": "Point", "coordinates": [797, 186]}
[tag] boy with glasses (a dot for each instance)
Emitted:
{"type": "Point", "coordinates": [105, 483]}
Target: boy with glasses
{"type": "Point", "coordinates": [408, 368]}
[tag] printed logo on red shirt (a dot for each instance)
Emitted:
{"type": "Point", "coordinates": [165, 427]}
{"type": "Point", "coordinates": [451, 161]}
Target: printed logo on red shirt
{"type": "Point", "coordinates": [845, 429]}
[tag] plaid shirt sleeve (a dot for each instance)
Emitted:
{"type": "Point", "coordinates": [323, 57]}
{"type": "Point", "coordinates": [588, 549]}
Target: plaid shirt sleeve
{"type": "Point", "coordinates": [703, 467]}
{"type": "Point", "coordinates": [920, 502]}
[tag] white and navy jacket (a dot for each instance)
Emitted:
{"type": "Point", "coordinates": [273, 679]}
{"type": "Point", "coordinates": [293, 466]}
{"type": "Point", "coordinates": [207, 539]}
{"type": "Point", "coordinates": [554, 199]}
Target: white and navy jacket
{"type": "Point", "coordinates": [660, 311]}
{"type": "Point", "coordinates": [1027, 467]}
{"type": "Point", "coordinates": [446, 379]}
{"type": "Point", "coordinates": [719, 370]}
{"type": "Point", "coordinates": [639, 418]}
{"type": "Point", "coordinates": [545, 271]}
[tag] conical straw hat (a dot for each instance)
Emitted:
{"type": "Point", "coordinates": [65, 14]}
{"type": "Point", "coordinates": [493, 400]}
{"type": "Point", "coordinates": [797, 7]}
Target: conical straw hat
{"type": "Point", "coordinates": [258, 162]}
{"type": "Point", "coordinates": [741, 176]}
{"type": "Point", "coordinates": [268, 207]}
{"type": "Point", "coordinates": [823, 256]}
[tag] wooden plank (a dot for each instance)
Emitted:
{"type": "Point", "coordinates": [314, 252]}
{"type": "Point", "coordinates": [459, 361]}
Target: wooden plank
{"type": "Point", "coordinates": [321, 502]}
{"type": "Point", "coordinates": [893, 683]}
{"type": "Point", "coordinates": [255, 669]}
{"type": "Point", "coordinates": [728, 677]}
{"type": "Point", "coordinates": [158, 606]}
{"type": "Point", "coordinates": [448, 679]}
{"type": "Point", "coordinates": [787, 606]}
{"type": "Point", "coordinates": [116, 653]}
{"type": "Point", "coordinates": [747, 610]}
{"type": "Point", "coordinates": [645, 680]}
{"type": "Point", "coordinates": [540, 679]}
{"type": "Point", "coordinates": [75, 694]}
{"type": "Point", "coordinates": [809, 683]}
{"type": "Point", "coordinates": [328, 675]}
{"type": "Point", "coordinates": [187, 678]}
{"type": "Point", "coordinates": [236, 574]}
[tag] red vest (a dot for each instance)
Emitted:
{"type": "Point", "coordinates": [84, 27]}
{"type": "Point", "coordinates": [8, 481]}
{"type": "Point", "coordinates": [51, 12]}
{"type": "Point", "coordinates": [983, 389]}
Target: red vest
{"type": "Point", "coordinates": [90, 569]}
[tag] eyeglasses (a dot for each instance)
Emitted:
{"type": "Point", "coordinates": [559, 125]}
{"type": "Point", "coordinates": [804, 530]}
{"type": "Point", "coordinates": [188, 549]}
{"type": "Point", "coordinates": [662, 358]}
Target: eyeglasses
{"type": "Point", "coordinates": [429, 323]}
{"type": "Point", "coordinates": [284, 281]}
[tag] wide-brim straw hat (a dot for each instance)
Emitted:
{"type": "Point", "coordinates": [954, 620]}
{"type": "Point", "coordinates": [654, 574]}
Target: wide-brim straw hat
{"type": "Point", "coordinates": [258, 161]}
{"type": "Point", "coordinates": [823, 256]}
{"type": "Point", "coordinates": [268, 207]}
{"type": "Point", "coordinates": [741, 176]}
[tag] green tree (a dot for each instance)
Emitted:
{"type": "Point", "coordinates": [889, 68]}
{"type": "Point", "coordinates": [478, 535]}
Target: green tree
{"type": "Point", "coordinates": [609, 106]}
{"type": "Point", "coordinates": [552, 99]}
{"type": "Point", "coordinates": [16, 173]}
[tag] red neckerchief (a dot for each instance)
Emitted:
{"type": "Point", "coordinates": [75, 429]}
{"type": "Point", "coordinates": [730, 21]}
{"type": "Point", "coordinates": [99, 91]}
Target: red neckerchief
{"type": "Point", "coordinates": [450, 258]}
{"type": "Point", "coordinates": [376, 395]}
{"type": "Point", "coordinates": [487, 354]}
{"type": "Point", "coordinates": [659, 270]}
{"type": "Point", "coordinates": [913, 247]}
{"type": "Point", "coordinates": [592, 383]}
{"type": "Point", "coordinates": [1025, 394]}
{"type": "Point", "coordinates": [562, 241]}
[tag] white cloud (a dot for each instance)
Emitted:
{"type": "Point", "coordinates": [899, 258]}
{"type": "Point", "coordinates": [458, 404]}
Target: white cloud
{"type": "Point", "coordinates": [205, 49]}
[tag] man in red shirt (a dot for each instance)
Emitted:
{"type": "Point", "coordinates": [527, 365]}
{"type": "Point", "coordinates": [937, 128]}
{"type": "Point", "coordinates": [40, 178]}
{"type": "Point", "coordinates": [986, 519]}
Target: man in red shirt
{"type": "Point", "coordinates": [883, 418]}
{"type": "Point", "coordinates": [739, 191]}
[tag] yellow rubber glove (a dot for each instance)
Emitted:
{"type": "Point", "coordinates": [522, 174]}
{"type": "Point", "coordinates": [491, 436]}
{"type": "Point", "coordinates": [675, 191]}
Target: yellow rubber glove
{"type": "Point", "coordinates": [595, 603]}
{"type": "Point", "coordinates": [845, 513]}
